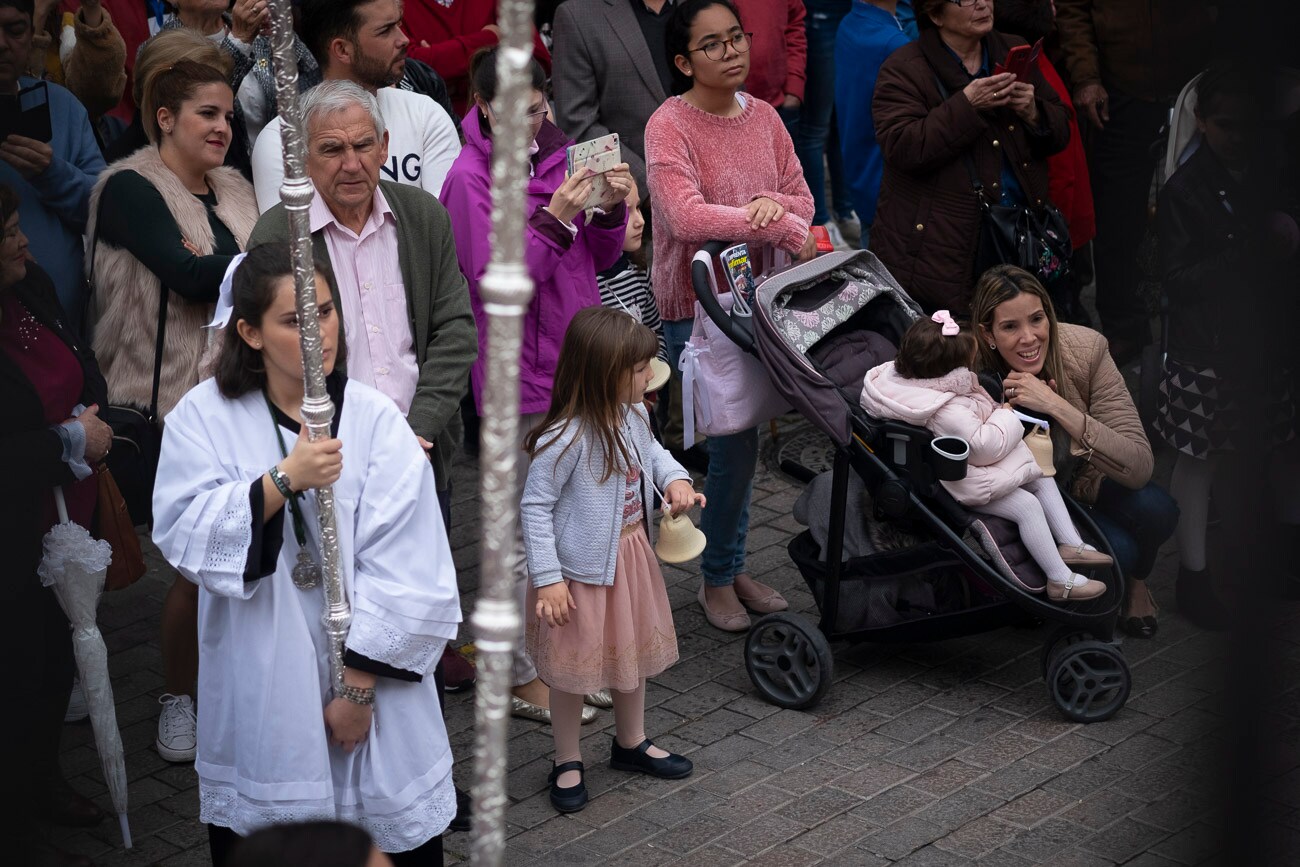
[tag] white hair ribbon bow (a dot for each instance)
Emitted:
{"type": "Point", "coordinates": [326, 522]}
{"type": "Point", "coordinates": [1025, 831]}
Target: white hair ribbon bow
{"type": "Point", "coordinates": [226, 296]}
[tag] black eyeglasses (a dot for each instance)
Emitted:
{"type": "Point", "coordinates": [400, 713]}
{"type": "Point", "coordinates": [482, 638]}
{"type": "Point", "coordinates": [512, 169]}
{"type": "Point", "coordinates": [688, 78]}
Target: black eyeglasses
{"type": "Point", "coordinates": [717, 49]}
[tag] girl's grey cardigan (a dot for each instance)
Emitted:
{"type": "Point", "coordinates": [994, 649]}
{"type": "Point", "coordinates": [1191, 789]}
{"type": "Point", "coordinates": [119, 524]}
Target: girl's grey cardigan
{"type": "Point", "coordinates": [572, 520]}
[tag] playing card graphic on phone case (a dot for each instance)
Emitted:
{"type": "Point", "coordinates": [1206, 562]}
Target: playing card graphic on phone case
{"type": "Point", "coordinates": [599, 155]}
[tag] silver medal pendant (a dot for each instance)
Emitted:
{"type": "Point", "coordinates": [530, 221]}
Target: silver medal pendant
{"type": "Point", "coordinates": [306, 572]}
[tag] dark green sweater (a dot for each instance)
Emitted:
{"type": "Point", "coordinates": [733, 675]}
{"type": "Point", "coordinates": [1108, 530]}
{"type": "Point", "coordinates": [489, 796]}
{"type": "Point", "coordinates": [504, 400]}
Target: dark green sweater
{"type": "Point", "coordinates": [437, 302]}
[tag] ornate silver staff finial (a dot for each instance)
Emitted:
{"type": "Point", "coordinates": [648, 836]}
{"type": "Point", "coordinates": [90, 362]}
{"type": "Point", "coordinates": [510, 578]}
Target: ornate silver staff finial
{"type": "Point", "coordinates": [506, 291]}
{"type": "Point", "coordinates": [317, 408]}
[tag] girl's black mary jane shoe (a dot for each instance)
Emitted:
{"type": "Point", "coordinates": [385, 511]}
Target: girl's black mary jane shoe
{"type": "Point", "coordinates": [669, 767]}
{"type": "Point", "coordinates": [572, 799]}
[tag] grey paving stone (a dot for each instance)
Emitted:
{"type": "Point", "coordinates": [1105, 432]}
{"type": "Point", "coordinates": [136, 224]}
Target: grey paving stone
{"type": "Point", "coordinates": [999, 750]}
{"type": "Point", "coordinates": [735, 778]}
{"type": "Point", "coordinates": [1046, 840]}
{"type": "Point", "coordinates": [726, 751]}
{"type": "Point", "coordinates": [834, 835]}
{"type": "Point", "coordinates": [1123, 840]}
{"type": "Point", "coordinates": [690, 835]}
{"type": "Point", "coordinates": [901, 838]}
{"type": "Point", "coordinates": [872, 779]}
{"type": "Point", "coordinates": [947, 778]}
{"type": "Point", "coordinates": [862, 751]}
{"type": "Point", "coordinates": [1032, 808]}
{"type": "Point", "coordinates": [741, 808]}
{"type": "Point", "coordinates": [1101, 808]}
{"type": "Point", "coordinates": [977, 837]}
{"type": "Point", "coordinates": [817, 807]}
{"type": "Point", "coordinates": [978, 725]}
{"type": "Point", "coordinates": [959, 808]}
{"type": "Point", "coordinates": [619, 835]}
{"type": "Point", "coordinates": [1192, 845]}
{"type": "Point", "coordinates": [793, 752]}
{"type": "Point", "coordinates": [710, 855]}
{"type": "Point", "coordinates": [915, 724]}
{"type": "Point", "coordinates": [779, 726]}
{"type": "Point", "coordinates": [685, 803]}
{"type": "Point", "coordinates": [927, 752]}
{"type": "Point", "coordinates": [807, 777]}
{"type": "Point", "coordinates": [1084, 779]}
{"type": "Point", "coordinates": [891, 805]}
{"type": "Point", "coordinates": [761, 834]}
{"type": "Point", "coordinates": [1065, 752]}
{"type": "Point", "coordinates": [785, 856]}
{"type": "Point", "coordinates": [1014, 780]}
{"type": "Point", "coordinates": [931, 856]}
{"type": "Point", "coordinates": [1177, 811]}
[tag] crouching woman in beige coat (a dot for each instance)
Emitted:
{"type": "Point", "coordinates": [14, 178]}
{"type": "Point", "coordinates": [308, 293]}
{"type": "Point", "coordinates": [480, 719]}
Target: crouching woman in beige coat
{"type": "Point", "coordinates": [1065, 373]}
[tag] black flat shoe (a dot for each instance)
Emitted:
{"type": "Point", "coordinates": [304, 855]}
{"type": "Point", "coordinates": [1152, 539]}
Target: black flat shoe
{"type": "Point", "coordinates": [1139, 627]}
{"type": "Point", "coordinates": [572, 799]}
{"type": "Point", "coordinates": [670, 767]}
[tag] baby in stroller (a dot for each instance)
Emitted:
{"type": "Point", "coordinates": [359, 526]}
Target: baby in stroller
{"type": "Point", "coordinates": [930, 384]}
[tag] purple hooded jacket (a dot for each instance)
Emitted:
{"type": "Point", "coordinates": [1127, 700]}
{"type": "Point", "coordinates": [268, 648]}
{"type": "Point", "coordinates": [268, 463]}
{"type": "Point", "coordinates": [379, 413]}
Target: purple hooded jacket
{"type": "Point", "coordinates": [563, 267]}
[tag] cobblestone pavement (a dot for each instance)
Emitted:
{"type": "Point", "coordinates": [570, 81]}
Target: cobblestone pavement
{"type": "Point", "coordinates": [944, 753]}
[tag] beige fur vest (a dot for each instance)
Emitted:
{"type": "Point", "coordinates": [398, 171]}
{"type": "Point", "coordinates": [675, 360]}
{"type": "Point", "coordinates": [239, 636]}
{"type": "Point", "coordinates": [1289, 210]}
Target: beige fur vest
{"type": "Point", "coordinates": [126, 293]}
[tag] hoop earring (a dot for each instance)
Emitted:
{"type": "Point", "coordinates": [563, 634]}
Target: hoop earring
{"type": "Point", "coordinates": [993, 346]}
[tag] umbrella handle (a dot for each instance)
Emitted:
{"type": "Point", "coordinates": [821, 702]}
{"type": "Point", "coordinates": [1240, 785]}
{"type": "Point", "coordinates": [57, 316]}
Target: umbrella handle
{"type": "Point", "coordinates": [61, 505]}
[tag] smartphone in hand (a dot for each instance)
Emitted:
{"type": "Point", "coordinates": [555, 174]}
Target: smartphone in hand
{"type": "Point", "coordinates": [1020, 60]}
{"type": "Point", "coordinates": [27, 113]}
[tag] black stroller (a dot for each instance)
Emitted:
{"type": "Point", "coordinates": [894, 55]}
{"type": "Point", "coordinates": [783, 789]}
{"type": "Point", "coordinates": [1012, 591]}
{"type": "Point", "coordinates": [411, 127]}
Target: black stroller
{"type": "Point", "coordinates": [817, 327]}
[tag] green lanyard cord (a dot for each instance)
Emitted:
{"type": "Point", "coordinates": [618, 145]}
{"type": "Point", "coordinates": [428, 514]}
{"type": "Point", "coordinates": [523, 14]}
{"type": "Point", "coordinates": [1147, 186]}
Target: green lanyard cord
{"type": "Point", "coordinates": [299, 531]}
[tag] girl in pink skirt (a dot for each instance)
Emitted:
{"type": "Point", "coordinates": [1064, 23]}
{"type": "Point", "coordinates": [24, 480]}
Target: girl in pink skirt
{"type": "Point", "coordinates": [602, 613]}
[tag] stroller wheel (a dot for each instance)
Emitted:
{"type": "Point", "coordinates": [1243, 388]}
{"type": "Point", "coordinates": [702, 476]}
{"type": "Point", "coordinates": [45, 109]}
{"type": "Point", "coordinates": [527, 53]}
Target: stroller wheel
{"type": "Point", "coordinates": [1088, 680]}
{"type": "Point", "coordinates": [789, 660]}
{"type": "Point", "coordinates": [1059, 637]}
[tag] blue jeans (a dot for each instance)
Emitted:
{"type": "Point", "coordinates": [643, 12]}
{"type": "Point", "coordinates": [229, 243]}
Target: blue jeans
{"type": "Point", "coordinates": [727, 487]}
{"type": "Point", "coordinates": [1135, 523]}
{"type": "Point", "coordinates": [815, 136]}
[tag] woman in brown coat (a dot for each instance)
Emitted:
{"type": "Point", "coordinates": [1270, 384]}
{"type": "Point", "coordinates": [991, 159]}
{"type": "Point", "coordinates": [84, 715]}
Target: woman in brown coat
{"type": "Point", "coordinates": [1065, 373]}
{"type": "Point", "coordinates": [927, 223]}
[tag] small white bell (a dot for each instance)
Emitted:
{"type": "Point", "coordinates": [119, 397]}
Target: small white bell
{"type": "Point", "coordinates": [660, 372]}
{"type": "Point", "coordinates": [679, 539]}
{"type": "Point", "coordinates": [1040, 446]}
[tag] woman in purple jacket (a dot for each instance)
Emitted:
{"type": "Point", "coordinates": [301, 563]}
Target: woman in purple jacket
{"type": "Point", "coordinates": [565, 249]}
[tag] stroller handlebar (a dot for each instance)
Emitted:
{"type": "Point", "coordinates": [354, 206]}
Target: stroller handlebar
{"type": "Point", "coordinates": [739, 329]}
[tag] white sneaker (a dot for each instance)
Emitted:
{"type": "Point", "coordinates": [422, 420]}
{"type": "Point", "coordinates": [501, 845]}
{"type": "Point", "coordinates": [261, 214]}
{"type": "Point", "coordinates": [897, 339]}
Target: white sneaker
{"type": "Point", "coordinates": [176, 724]}
{"type": "Point", "coordinates": [836, 236]}
{"type": "Point", "coordinates": [77, 708]}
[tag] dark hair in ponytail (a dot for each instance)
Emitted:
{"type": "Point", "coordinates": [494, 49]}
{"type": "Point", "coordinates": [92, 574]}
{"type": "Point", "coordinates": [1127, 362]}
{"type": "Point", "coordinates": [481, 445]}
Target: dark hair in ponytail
{"type": "Point", "coordinates": [169, 87]}
{"type": "Point", "coordinates": [239, 367]}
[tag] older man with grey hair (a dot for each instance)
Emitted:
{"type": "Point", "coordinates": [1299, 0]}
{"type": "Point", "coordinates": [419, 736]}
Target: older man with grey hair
{"type": "Point", "coordinates": [362, 41]}
{"type": "Point", "coordinates": [405, 305]}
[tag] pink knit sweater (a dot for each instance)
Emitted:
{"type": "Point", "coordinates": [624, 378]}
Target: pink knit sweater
{"type": "Point", "coordinates": [702, 171]}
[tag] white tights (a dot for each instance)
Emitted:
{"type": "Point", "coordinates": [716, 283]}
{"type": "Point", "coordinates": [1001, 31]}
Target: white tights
{"type": "Point", "coordinates": [1039, 511]}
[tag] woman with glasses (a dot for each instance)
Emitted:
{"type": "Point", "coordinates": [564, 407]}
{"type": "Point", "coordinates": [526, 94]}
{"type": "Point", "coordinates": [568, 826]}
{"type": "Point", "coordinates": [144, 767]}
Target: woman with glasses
{"type": "Point", "coordinates": [943, 112]}
{"type": "Point", "coordinates": [722, 167]}
{"type": "Point", "coordinates": [565, 248]}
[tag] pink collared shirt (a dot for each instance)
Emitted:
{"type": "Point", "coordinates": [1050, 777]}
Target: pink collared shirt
{"type": "Point", "coordinates": [377, 326]}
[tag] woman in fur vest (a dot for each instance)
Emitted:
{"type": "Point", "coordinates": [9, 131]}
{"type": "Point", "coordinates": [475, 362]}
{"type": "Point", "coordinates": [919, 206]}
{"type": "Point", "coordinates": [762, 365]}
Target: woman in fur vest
{"type": "Point", "coordinates": [165, 222]}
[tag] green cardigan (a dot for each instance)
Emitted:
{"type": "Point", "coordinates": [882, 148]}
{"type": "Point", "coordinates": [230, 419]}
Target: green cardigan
{"type": "Point", "coordinates": [437, 300]}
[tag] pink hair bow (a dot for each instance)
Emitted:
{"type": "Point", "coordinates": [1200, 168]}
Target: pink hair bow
{"type": "Point", "coordinates": [950, 327]}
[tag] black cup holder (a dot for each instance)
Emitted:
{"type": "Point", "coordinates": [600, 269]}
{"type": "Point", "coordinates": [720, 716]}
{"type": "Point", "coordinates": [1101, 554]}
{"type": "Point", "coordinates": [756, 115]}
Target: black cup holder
{"type": "Point", "coordinates": [948, 458]}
